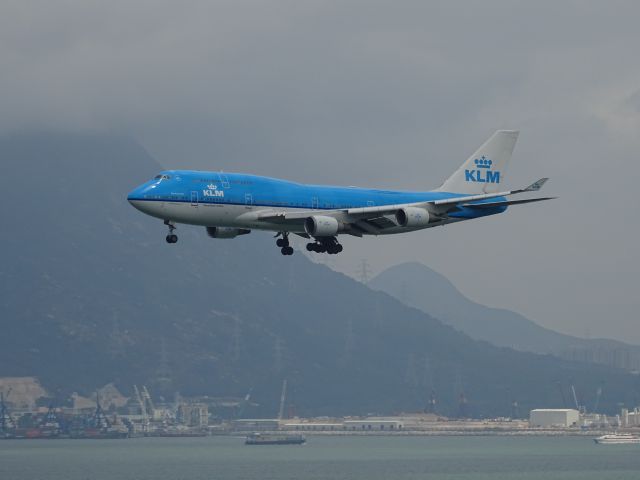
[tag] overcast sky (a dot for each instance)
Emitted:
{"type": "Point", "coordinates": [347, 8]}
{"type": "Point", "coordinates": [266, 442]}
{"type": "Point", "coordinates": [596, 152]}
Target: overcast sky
{"type": "Point", "coordinates": [377, 94]}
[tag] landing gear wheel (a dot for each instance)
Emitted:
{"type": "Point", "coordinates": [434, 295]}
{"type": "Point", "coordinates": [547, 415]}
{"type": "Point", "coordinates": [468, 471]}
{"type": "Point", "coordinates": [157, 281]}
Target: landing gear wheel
{"type": "Point", "coordinates": [325, 245]}
{"type": "Point", "coordinates": [316, 247]}
{"type": "Point", "coordinates": [283, 242]}
{"type": "Point", "coordinates": [287, 250]}
{"type": "Point", "coordinates": [172, 237]}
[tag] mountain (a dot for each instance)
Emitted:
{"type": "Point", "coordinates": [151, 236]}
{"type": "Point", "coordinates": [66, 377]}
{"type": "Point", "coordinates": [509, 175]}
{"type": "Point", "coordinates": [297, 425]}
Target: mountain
{"type": "Point", "coordinates": [420, 287]}
{"type": "Point", "coordinates": [91, 294]}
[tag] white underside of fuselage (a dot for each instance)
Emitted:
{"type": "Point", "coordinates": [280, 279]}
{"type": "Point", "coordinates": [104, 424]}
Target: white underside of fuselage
{"type": "Point", "coordinates": [236, 216]}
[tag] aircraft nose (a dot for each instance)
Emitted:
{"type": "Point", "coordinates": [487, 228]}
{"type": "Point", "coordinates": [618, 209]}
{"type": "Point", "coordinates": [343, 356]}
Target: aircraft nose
{"type": "Point", "coordinates": [133, 194]}
{"type": "Point", "coordinates": [136, 195]}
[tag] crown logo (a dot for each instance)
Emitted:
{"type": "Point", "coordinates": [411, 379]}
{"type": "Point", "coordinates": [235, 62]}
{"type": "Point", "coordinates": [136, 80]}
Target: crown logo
{"type": "Point", "coordinates": [483, 162]}
{"type": "Point", "coordinates": [211, 186]}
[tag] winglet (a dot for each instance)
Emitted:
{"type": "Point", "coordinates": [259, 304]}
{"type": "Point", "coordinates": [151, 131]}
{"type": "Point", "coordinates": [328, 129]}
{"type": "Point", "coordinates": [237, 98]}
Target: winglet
{"type": "Point", "coordinates": [535, 186]}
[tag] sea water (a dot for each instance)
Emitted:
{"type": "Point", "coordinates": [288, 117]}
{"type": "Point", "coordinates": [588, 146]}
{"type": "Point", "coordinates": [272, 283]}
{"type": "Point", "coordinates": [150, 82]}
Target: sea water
{"type": "Point", "coordinates": [323, 457]}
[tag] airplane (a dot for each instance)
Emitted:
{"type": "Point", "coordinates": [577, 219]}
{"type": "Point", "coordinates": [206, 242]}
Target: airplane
{"type": "Point", "coordinates": [232, 204]}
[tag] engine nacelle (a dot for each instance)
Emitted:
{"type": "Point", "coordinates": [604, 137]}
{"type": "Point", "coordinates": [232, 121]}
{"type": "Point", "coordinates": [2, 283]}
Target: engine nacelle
{"type": "Point", "coordinates": [321, 226]}
{"type": "Point", "coordinates": [226, 232]}
{"type": "Point", "coordinates": [412, 217]}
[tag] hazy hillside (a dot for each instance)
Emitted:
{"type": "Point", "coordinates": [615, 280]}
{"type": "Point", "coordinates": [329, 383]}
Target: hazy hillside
{"type": "Point", "coordinates": [419, 286]}
{"type": "Point", "coordinates": [91, 294]}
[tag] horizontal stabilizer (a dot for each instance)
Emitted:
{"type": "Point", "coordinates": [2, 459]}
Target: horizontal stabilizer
{"type": "Point", "coordinates": [505, 203]}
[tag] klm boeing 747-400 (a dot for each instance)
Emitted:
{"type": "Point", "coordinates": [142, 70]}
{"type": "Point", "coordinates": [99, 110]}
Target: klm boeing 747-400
{"type": "Point", "coordinates": [232, 204]}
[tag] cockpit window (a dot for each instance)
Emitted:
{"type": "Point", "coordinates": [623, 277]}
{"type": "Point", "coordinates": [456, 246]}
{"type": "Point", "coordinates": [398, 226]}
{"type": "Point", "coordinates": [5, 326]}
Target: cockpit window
{"type": "Point", "coordinates": [162, 177]}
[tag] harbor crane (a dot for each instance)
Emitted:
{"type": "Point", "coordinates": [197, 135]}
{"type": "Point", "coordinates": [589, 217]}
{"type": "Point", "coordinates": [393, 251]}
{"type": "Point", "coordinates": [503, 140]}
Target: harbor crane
{"type": "Point", "coordinates": [243, 404]}
{"type": "Point", "coordinates": [283, 396]}
{"type": "Point", "coordinates": [6, 422]}
{"type": "Point", "coordinates": [151, 408]}
{"type": "Point", "coordinates": [143, 409]}
{"type": "Point", "coordinates": [597, 403]}
{"type": "Point", "coordinates": [581, 408]}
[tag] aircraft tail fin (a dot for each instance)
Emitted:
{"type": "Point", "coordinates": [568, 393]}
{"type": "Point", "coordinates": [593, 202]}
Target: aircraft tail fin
{"type": "Point", "coordinates": [484, 171]}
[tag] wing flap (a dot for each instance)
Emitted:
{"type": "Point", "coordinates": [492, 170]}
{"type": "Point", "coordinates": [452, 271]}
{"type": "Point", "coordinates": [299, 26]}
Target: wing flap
{"type": "Point", "coordinates": [382, 222]}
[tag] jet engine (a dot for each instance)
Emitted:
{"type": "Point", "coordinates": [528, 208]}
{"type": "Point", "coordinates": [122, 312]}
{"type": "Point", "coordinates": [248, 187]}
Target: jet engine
{"type": "Point", "coordinates": [321, 226]}
{"type": "Point", "coordinates": [226, 232]}
{"type": "Point", "coordinates": [412, 217]}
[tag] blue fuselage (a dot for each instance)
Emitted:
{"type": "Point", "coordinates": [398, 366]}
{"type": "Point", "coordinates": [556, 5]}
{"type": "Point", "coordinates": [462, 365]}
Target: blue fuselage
{"type": "Point", "coordinates": [233, 189]}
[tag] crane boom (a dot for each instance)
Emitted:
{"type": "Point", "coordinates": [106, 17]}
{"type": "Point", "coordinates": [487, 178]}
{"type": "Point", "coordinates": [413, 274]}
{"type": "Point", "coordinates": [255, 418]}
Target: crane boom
{"type": "Point", "coordinates": [575, 397]}
{"type": "Point", "coordinates": [147, 397]}
{"type": "Point", "coordinates": [143, 409]}
{"type": "Point", "coordinates": [283, 396]}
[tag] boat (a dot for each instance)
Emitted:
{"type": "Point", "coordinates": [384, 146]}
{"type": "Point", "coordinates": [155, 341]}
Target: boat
{"type": "Point", "coordinates": [617, 439]}
{"type": "Point", "coordinates": [274, 439]}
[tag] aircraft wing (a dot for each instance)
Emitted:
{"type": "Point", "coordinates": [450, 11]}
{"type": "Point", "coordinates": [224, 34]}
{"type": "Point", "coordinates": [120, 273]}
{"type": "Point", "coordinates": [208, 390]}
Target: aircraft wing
{"type": "Point", "coordinates": [374, 219]}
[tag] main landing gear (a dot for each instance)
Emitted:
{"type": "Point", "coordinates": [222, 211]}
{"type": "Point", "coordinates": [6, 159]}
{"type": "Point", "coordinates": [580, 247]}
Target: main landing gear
{"type": "Point", "coordinates": [328, 245]}
{"type": "Point", "coordinates": [283, 243]}
{"type": "Point", "coordinates": [172, 237]}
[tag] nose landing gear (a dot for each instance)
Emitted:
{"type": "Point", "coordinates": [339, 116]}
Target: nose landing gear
{"type": "Point", "coordinates": [283, 243]}
{"type": "Point", "coordinates": [172, 237]}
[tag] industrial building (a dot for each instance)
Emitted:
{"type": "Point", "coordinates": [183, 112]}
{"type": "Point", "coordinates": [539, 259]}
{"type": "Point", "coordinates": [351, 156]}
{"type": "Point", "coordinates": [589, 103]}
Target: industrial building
{"type": "Point", "coordinates": [630, 419]}
{"type": "Point", "coordinates": [554, 417]}
{"type": "Point", "coordinates": [193, 414]}
{"type": "Point", "coordinates": [373, 424]}
{"type": "Point", "coordinates": [256, 424]}
{"type": "Point", "coordinates": [314, 427]}
{"type": "Point", "coordinates": [367, 425]}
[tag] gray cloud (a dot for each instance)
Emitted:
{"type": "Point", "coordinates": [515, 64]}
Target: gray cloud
{"type": "Point", "coordinates": [391, 94]}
